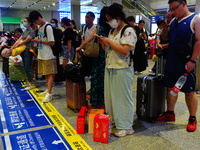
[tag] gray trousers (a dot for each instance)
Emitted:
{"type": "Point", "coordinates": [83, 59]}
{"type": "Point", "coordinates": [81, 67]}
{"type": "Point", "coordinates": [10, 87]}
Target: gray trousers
{"type": "Point", "coordinates": [118, 96]}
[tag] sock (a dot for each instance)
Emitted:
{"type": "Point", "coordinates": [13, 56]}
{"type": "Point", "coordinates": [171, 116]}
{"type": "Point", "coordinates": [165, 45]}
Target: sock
{"type": "Point", "coordinates": [170, 112]}
{"type": "Point", "coordinates": [193, 117]}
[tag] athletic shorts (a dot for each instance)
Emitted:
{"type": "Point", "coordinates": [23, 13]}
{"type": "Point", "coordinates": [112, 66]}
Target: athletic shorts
{"type": "Point", "coordinates": [170, 79]}
{"type": "Point", "coordinates": [46, 67]}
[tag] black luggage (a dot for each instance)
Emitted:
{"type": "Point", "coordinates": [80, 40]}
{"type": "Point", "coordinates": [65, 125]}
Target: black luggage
{"type": "Point", "coordinates": [5, 66]}
{"type": "Point", "coordinates": [151, 94]}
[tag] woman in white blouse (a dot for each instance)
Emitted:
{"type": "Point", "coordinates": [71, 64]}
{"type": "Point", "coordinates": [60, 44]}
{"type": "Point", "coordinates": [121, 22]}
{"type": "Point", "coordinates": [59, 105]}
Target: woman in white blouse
{"type": "Point", "coordinates": [119, 71]}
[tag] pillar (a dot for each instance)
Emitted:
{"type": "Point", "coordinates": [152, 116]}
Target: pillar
{"type": "Point", "coordinates": [75, 15]}
{"type": "Point", "coordinates": [197, 9]}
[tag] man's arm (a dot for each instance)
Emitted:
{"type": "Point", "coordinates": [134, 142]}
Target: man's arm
{"type": "Point", "coordinates": [165, 32]}
{"type": "Point", "coordinates": [196, 50]}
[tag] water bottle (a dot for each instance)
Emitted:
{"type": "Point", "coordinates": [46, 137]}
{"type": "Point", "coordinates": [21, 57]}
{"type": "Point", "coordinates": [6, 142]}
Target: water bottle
{"type": "Point", "coordinates": [179, 84]}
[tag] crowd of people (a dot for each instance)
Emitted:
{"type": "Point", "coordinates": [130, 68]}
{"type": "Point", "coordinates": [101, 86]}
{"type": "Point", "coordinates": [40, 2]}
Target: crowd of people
{"type": "Point", "coordinates": [122, 54]}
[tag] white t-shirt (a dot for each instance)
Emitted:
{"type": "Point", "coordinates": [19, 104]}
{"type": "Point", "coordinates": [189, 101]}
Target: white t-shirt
{"type": "Point", "coordinates": [44, 51]}
{"type": "Point", "coordinates": [87, 32]}
{"type": "Point", "coordinates": [115, 59]}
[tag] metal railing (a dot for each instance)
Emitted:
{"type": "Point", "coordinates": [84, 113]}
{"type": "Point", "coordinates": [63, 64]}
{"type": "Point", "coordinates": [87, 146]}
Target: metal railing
{"type": "Point", "coordinates": [141, 6]}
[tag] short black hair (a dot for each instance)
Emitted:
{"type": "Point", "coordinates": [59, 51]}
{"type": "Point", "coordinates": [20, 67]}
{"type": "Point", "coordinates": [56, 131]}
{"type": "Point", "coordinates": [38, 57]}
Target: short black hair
{"type": "Point", "coordinates": [130, 18]}
{"type": "Point", "coordinates": [66, 21]}
{"type": "Point", "coordinates": [180, 1]}
{"type": "Point", "coordinates": [160, 22]}
{"type": "Point", "coordinates": [29, 21]}
{"type": "Point", "coordinates": [19, 30]}
{"type": "Point", "coordinates": [141, 21]}
{"type": "Point", "coordinates": [34, 15]}
{"type": "Point", "coordinates": [55, 20]}
{"type": "Point", "coordinates": [91, 14]}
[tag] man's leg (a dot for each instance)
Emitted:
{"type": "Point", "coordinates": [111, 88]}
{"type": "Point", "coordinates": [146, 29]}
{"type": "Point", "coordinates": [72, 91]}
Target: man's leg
{"type": "Point", "coordinates": [169, 115]}
{"type": "Point", "coordinates": [171, 100]}
{"type": "Point", "coordinates": [50, 79]}
{"type": "Point", "coordinates": [192, 103]}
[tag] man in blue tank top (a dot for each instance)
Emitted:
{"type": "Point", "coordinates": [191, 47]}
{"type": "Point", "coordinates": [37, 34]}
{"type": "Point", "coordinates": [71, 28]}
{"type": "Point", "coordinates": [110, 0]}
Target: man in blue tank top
{"type": "Point", "coordinates": [184, 47]}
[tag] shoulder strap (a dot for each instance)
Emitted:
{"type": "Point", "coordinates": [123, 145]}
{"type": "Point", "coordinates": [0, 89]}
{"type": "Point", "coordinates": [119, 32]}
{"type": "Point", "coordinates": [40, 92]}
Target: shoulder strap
{"type": "Point", "coordinates": [122, 32]}
{"type": "Point", "coordinates": [45, 29]}
{"type": "Point", "coordinates": [124, 28]}
{"type": "Point", "coordinates": [85, 29]}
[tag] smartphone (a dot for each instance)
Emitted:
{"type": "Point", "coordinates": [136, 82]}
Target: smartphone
{"type": "Point", "coordinates": [97, 35]}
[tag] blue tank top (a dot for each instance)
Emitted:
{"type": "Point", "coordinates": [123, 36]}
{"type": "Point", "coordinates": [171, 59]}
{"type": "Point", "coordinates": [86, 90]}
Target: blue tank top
{"type": "Point", "coordinates": [180, 33]}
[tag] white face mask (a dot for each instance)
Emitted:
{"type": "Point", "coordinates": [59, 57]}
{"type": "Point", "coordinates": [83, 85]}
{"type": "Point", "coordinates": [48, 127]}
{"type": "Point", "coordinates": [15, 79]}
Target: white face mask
{"type": "Point", "coordinates": [113, 23]}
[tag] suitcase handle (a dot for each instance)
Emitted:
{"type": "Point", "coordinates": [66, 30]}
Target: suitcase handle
{"type": "Point", "coordinates": [159, 66]}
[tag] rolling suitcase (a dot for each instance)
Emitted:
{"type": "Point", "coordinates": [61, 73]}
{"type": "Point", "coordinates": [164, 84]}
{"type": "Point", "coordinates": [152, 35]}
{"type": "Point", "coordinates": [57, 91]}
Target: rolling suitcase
{"type": "Point", "coordinates": [75, 95]}
{"type": "Point", "coordinates": [151, 94]}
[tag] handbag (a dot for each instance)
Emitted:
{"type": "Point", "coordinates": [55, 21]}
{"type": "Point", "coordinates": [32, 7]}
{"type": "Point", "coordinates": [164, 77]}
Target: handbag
{"type": "Point", "coordinates": [73, 72]}
{"type": "Point", "coordinates": [92, 48]}
{"type": "Point", "coordinates": [18, 50]}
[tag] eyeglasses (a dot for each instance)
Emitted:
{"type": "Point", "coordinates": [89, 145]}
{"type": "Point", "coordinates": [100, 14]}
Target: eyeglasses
{"type": "Point", "coordinates": [174, 8]}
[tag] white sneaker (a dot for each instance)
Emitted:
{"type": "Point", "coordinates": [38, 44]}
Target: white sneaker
{"type": "Point", "coordinates": [45, 92]}
{"type": "Point", "coordinates": [47, 98]}
{"type": "Point", "coordinates": [136, 73]}
{"type": "Point", "coordinates": [25, 85]}
{"type": "Point", "coordinates": [124, 132]}
{"type": "Point", "coordinates": [29, 87]}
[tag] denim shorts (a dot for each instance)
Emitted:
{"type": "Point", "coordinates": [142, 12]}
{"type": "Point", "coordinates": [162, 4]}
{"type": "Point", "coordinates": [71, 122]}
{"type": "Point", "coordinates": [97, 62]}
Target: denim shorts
{"type": "Point", "coordinates": [64, 52]}
{"type": "Point", "coordinates": [170, 79]}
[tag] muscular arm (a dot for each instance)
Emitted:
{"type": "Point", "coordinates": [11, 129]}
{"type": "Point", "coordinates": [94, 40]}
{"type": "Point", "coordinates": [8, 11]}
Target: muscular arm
{"type": "Point", "coordinates": [165, 32]}
{"type": "Point", "coordinates": [196, 51]}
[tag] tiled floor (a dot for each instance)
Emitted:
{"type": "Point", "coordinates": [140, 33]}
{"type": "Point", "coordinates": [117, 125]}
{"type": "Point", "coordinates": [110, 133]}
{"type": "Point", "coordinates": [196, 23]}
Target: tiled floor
{"type": "Point", "coordinates": [148, 136]}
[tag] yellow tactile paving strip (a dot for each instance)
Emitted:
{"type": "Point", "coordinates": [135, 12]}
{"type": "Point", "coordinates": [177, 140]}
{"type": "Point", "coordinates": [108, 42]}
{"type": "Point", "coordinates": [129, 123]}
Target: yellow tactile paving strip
{"type": "Point", "coordinates": [68, 132]}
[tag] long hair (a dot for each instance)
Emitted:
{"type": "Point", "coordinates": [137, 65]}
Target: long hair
{"type": "Point", "coordinates": [103, 19]}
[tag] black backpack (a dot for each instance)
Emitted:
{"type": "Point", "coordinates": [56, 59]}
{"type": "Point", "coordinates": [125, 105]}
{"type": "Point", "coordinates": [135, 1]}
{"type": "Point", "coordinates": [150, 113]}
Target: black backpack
{"type": "Point", "coordinates": [57, 33]}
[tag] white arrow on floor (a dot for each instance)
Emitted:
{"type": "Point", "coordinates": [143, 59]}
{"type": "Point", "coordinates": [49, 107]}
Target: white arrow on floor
{"type": "Point", "coordinates": [39, 115]}
{"type": "Point", "coordinates": [19, 125]}
{"type": "Point", "coordinates": [29, 100]}
{"type": "Point", "coordinates": [57, 142]}
{"type": "Point", "coordinates": [13, 106]}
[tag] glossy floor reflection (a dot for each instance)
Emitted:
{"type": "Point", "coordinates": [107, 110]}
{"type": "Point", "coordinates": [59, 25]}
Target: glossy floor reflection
{"type": "Point", "coordinates": [148, 136]}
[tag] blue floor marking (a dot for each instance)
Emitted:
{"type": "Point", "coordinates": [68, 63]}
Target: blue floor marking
{"type": "Point", "coordinates": [44, 139]}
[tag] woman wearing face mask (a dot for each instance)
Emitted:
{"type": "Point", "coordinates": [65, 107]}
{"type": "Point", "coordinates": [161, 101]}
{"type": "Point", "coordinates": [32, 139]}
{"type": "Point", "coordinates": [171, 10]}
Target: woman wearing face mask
{"type": "Point", "coordinates": [26, 55]}
{"type": "Point", "coordinates": [119, 71]}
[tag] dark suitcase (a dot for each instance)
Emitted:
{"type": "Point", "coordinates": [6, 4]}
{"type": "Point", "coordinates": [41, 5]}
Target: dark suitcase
{"type": "Point", "coordinates": [60, 75]}
{"type": "Point", "coordinates": [6, 66]}
{"type": "Point", "coordinates": [75, 95]}
{"type": "Point", "coordinates": [151, 94]}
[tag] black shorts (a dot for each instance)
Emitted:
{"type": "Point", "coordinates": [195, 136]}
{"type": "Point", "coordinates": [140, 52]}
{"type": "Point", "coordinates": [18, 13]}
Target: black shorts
{"type": "Point", "coordinates": [170, 79]}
